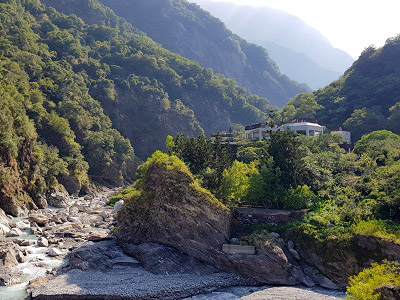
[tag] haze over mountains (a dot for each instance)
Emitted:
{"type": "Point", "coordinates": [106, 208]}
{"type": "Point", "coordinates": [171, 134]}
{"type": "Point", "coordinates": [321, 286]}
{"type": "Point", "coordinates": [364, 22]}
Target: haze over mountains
{"type": "Point", "coordinates": [300, 51]}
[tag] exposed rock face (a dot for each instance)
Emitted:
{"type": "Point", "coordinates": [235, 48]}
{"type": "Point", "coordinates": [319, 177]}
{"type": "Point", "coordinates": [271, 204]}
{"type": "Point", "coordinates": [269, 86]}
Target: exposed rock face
{"type": "Point", "coordinates": [164, 260]}
{"type": "Point", "coordinates": [389, 293]}
{"type": "Point", "coordinates": [20, 173]}
{"type": "Point", "coordinates": [171, 211]}
{"type": "Point", "coordinates": [174, 213]}
{"type": "Point", "coordinates": [340, 261]}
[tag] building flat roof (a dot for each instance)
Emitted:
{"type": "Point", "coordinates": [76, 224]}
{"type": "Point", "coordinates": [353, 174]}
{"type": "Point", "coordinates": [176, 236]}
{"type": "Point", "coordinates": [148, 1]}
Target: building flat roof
{"type": "Point", "coordinates": [302, 123]}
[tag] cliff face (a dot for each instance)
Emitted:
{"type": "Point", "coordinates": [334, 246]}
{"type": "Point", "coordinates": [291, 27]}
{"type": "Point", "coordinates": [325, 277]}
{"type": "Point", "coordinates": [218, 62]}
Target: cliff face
{"type": "Point", "coordinates": [186, 29]}
{"type": "Point", "coordinates": [17, 180]}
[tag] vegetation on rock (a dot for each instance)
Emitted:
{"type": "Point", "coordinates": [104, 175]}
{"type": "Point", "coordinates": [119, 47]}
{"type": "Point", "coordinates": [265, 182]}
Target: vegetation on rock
{"type": "Point", "coordinates": [369, 283]}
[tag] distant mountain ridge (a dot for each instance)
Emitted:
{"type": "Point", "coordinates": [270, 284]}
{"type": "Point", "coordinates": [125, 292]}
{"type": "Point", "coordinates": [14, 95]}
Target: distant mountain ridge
{"type": "Point", "coordinates": [264, 25]}
{"type": "Point", "coordinates": [184, 28]}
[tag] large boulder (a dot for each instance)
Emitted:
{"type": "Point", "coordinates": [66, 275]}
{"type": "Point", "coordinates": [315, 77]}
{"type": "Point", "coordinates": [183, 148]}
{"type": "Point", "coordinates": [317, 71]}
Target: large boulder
{"type": "Point", "coordinates": [169, 207]}
{"type": "Point", "coordinates": [10, 255]}
{"type": "Point", "coordinates": [58, 199]}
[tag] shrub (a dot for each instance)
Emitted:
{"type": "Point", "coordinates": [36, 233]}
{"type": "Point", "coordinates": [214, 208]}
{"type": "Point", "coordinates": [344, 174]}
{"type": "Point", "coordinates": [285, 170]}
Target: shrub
{"type": "Point", "coordinates": [236, 181]}
{"type": "Point", "coordinates": [299, 198]}
{"type": "Point", "coordinates": [365, 285]}
{"type": "Point", "coordinates": [378, 228]}
{"type": "Point", "coordinates": [123, 195]}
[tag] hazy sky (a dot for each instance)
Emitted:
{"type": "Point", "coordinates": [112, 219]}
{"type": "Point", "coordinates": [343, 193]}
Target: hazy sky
{"type": "Point", "coordinates": [350, 25]}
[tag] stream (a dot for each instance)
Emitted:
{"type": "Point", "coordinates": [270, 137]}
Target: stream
{"type": "Point", "coordinates": [37, 264]}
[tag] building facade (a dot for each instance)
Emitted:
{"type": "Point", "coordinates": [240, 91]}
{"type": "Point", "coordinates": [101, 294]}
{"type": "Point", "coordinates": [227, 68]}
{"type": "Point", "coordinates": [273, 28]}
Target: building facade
{"type": "Point", "coordinates": [259, 132]}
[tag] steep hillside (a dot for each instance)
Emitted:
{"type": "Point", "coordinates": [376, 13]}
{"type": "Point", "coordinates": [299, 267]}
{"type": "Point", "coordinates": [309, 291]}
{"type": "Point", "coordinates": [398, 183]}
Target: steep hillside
{"type": "Point", "coordinates": [71, 92]}
{"type": "Point", "coordinates": [364, 99]}
{"type": "Point", "coordinates": [186, 29]}
{"type": "Point", "coordinates": [263, 25]}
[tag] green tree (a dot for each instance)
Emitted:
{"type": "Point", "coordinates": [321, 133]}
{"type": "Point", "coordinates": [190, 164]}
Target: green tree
{"type": "Point", "coordinates": [288, 152]}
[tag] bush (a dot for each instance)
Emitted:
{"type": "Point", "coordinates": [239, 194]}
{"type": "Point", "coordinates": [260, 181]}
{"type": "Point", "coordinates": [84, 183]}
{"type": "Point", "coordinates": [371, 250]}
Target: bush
{"type": "Point", "coordinates": [299, 198]}
{"type": "Point", "coordinates": [378, 228]}
{"type": "Point", "coordinates": [365, 285]}
{"type": "Point", "coordinates": [236, 183]}
{"type": "Point", "coordinates": [123, 195]}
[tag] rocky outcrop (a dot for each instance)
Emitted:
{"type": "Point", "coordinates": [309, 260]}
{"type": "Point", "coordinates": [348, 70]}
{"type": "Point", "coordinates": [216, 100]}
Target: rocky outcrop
{"type": "Point", "coordinates": [170, 208]}
{"type": "Point", "coordinates": [164, 260]}
{"type": "Point", "coordinates": [173, 212]}
{"type": "Point", "coordinates": [341, 260]}
{"type": "Point", "coordinates": [389, 293]}
{"type": "Point", "coordinates": [17, 182]}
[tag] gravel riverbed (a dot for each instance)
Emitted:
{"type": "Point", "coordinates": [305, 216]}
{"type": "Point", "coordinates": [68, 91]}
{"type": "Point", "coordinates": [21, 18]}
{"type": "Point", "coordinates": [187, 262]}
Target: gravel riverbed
{"type": "Point", "coordinates": [77, 237]}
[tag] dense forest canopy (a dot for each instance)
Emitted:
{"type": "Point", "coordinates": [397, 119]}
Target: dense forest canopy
{"type": "Point", "coordinates": [197, 35]}
{"type": "Point", "coordinates": [76, 97]}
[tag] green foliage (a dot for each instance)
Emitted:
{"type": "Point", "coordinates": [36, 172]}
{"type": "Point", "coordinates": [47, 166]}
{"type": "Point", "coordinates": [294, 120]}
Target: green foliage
{"type": "Point", "coordinates": [364, 99]}
{"type": "Point", "coordinates": [378, 228]}
{"type": "Point", "coordinates": [366, 285]}
{"type": "Point", "coordinates": [287, 152]}
{"type": "Point", "coordinates": [204, 157]}
{"type": "Point", "coordinates": [236, 183]}
{"type": "Point", "coordinates": [127, 193]}
{"type": "Point", "coordinates": [382, 146]}
{"type": "Point", "coordinates": [303, 106]}
{"type": "Point", "coordinates": [160, 160]}
{"type": "Point", "coordinates": [174, 166]}
{"type": "Point", "coordinates": [260, 74]}
{"type": "Point", "coordinates": [299, 198]}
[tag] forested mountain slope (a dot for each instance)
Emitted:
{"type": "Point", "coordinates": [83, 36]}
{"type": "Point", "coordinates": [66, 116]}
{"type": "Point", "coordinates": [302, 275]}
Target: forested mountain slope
{"type": "Point", "coordinates": [364, 99]}
{"type": "Point", "coordinates": [264, 25]}
{"type": "Point", "coordinates": [71, 92]}
{"type": "Point", "coordinates": [186, 29]}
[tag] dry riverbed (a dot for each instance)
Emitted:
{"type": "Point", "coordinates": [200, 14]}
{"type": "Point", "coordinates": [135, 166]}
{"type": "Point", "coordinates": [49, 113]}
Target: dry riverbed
{"type": "Point", "coordinates": [68, 253]}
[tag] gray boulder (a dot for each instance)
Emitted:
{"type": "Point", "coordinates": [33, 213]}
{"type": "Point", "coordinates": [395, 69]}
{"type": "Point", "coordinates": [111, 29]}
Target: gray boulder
{"type": "Point", "coordinates": [14, 232]}
{"type": "Point", "coordinates": [58, 199]}
{"type": "Point", "coordinates": [53, 252]}
{"type": "Point", "coordinates": [164, 260]}
{"type": "Point", "coordinates": [118, 205]}
{"type": "Point", "coordinates": [43, 242]}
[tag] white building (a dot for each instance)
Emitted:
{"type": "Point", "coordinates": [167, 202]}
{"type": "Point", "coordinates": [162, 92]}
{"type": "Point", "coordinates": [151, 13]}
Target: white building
{"type": "Point", "coordinates": [346, 135]}
{"type": "Point", "coordinates": [258, 132]}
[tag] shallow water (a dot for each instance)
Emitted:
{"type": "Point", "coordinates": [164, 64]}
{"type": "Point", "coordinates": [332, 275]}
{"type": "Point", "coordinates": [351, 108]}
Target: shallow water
{"type": "Point", "coordinates": [37, 264]}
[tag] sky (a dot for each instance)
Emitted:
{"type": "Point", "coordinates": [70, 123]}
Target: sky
{"type": "Point", "coordinates": [350, 25]}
